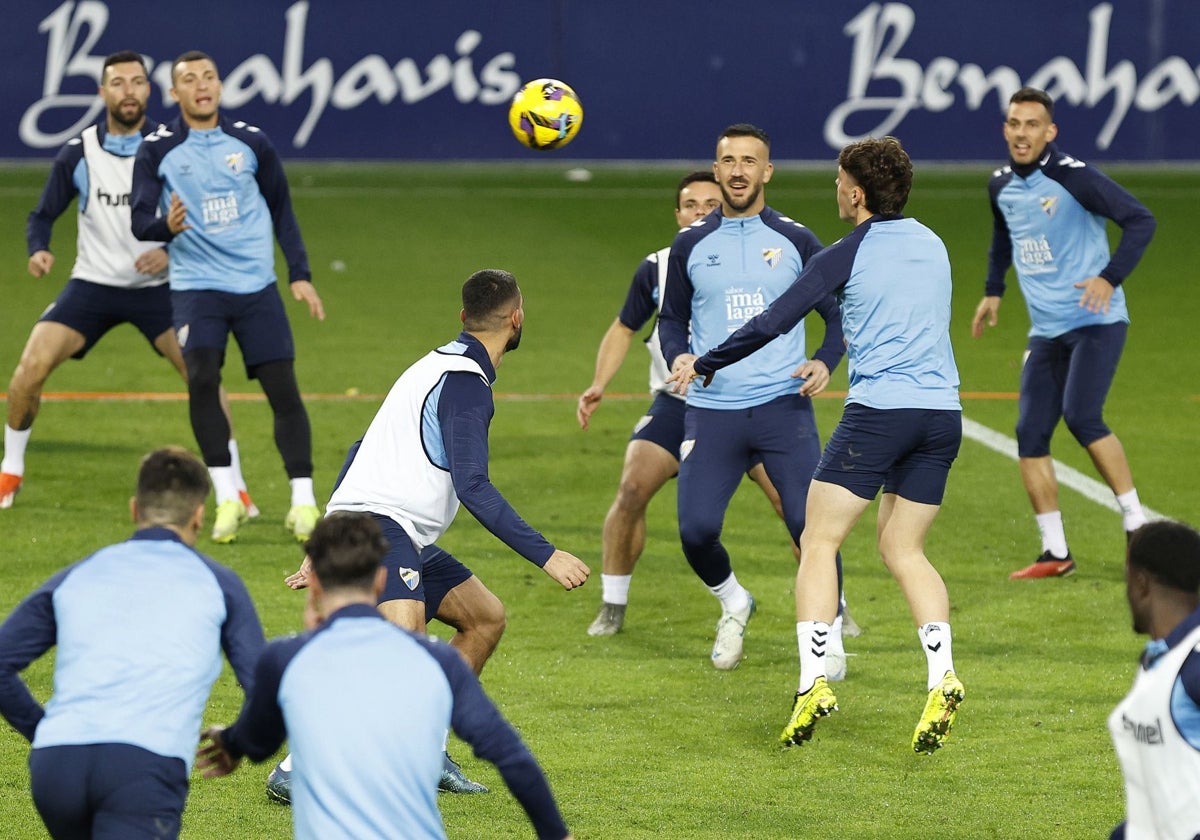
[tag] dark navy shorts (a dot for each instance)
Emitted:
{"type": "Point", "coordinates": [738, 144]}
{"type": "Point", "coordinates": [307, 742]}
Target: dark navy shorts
{"type": "Point", "coordinates": [205, 318]}
{"type": "Point", "coordinates": [108, 792]}
{"type": "Point", "coordinates": [906, 451]}
{"type": "Point", "coordinates": [93, 309]}
{"type": "Point", "coordinates": [426, 576]}
{"type": "Point", "coordinates": [662, 423]}
{"type": "Point", "coordinates": [723, 444]}
{"type": "Point", "coordinates": [1067, 377]}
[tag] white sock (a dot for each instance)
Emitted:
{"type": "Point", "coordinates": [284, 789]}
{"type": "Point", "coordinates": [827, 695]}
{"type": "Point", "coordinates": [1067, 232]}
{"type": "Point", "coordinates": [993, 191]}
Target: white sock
{"type": "Point", "coordinates": [223, 486]}
{"type": "Point", "coordinates": [733, 596]}
{"type": "Point", "coordinates": [614, 589]}
{"type": "Point", "coordinates": [14, 450]}
{"type": "Point", "coordinates": [835, 637]}
{"type": "Point", "coordinates": [235, 463]}
{"type": "Point", "coordinates": [1131, 510]}
{"type": "Point", "coordinates": [812, 638]}
{"type": "Point", "coordinates": [1054, 539]}
{"type": "Point", "coordinates": [935, 640]}
{"type": "Point", "coordinates": [302, 492]}
{"type": "Point", "coordinates": [286, 764]}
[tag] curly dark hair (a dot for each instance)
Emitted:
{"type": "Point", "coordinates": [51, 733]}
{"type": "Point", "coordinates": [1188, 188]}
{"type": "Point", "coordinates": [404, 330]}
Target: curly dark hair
{"type": "Point", "coordinates": [883, 170]}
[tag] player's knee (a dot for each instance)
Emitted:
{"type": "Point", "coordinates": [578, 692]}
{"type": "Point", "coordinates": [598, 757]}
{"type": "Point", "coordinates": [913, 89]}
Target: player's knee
{"type": "Point", "coordinates": [32, 371]}
{"type": "Point", "coordinates": [1085, 427]}
{"type": "Point", "coordinates": [1032, 442]}
{"type": "Point", "coordinates": [633, 494]}
{"type": "Point", "coordinates": [203, 373]}
{"type": "Point", "coordinates": [278, 381]}
{"type": "Point", "coordinates": [698, 533]}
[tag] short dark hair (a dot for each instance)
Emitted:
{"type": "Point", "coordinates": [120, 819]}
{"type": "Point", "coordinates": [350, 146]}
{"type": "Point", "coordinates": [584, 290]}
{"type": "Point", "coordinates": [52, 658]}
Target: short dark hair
{"type": "Point", "coordinates": [171, 484]}
{"type": "Point", "coordinates": [883, 170]}
{"type": "Point", "coordinates": [1032, 94]}
{"type": "Point", "coordinates": [746, 130]}
{"type": "Point", "coordinates": [488, 296]}
{"type": "Point", "coordinates": [691, 178]}
{"type": "Point", "coordinates": [191, 55]}
{"type": "Point", "coordinates": [1170, 552]}
{"type": "Point", "coordinates": [345, 549]}
{"type": "Point", "coordinates": [122, 57]}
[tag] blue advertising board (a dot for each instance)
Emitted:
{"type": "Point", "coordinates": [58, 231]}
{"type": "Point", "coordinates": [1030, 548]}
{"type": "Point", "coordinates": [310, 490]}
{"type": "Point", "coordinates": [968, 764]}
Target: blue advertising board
{"type": "Point", "coordinates": [393, 79]}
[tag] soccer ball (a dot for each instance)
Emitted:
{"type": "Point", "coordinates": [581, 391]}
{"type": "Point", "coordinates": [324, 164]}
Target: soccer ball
{"type": "Point", "coordinates": [545, 114]}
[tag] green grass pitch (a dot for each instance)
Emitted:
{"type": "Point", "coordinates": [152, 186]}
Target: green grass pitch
{"type": "Point", "coordinates": [640, 736]}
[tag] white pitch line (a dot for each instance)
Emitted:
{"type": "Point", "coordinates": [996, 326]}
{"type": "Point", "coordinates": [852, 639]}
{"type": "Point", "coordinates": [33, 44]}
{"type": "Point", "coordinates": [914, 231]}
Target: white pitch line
{"type": "Point", "coordinates": [1086, 486]}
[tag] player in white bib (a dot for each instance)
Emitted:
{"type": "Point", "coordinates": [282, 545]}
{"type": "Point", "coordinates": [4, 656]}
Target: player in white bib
{"type": "Point", "coordinates": [1156, 728]}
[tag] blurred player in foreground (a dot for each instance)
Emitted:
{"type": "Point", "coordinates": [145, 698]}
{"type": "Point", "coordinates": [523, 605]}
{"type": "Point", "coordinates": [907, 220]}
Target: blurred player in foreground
{"type": "Point", "coordinates": [1156, 728]}
{"type": "Point", "coordinates": [901, 428]}
{"type": "Point", "coordinates": [138, 629]}
{"type": "Point", "coordinates": [1050, 212]}
{"type": "Point", "coordinates": [115, 280]}
{"type": "Point", "coordinates": [363, 705]}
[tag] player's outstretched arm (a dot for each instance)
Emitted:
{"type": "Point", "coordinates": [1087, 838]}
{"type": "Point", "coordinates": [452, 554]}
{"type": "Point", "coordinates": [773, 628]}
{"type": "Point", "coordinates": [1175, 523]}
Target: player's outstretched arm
{"type": "Point", "coordinates": [613, 349]}
{"type": "Point", "coordinates": [987, 312]}
{"type": "Point", "coordinates": [567, 569]}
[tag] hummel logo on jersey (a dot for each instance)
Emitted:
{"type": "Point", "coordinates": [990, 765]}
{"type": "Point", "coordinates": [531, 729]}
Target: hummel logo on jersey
{"type": "Point", "coordinates": [111, 200]}
{"type": "Point", "coordinates": [714, 260]}
{"type": "Point", "coordinates": [685, 449]}
{"type": "Point", "coordinates": [772, 256]}
{"type": "Point", "coordinates": [1049, 205]}
{"type": "Point", "coordinates": [411, 578]}
{"type": "Point", "coordinates": [1147, 733]}
{"type": "Point", "coordinates": [236, 161]}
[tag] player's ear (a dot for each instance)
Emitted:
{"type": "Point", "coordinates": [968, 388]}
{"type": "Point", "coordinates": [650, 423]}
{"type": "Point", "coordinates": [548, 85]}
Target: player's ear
{"type": "Point", "coordinates": [1051, 132]}
{"type": "Point", "coordinates": [133, 508]}
{"type": "Point", "coordinates": [767, 170]}
{"type": "Point", "coordinates": [380, 580]}
{"type": "Point", "coordinates": [462, 315]}
{"type": "Point", "coordinates": [197, 521]}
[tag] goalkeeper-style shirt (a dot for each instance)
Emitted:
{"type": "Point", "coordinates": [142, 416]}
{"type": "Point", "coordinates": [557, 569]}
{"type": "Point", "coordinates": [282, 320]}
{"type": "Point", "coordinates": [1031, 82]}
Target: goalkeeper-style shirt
{"type": "Point", "coordinates": [233, 185]}
{"type": "Point", "coordinates": [892, 278]}
{"type": "Point", "coordinates": [364, 706]}
{"type": "Point", "coordinates": [721, 273]}
{"type": "Point", "coordinates": [1050, 224]}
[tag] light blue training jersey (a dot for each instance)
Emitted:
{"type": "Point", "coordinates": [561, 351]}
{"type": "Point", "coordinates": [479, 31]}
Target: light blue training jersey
{"type": "Point", "coordinates": [139, 628]}
{"type": "Point", "coordinates": [232, 183]}
{"type": "Point", "coordinates": [722, 272]}
{"type": "Point", "coordinates": [891, 276]}
{"type": "Point", "coordinates": [1050, 224]}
